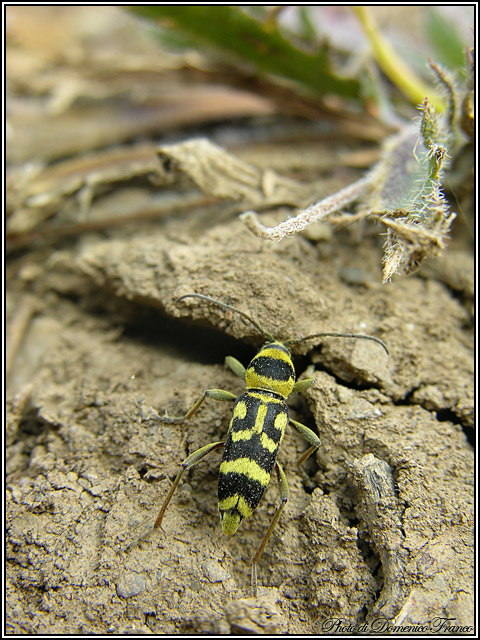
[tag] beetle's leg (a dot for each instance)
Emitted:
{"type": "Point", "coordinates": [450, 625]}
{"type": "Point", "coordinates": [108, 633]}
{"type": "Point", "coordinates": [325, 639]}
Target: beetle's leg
{"type": "Point", "coordinates": [192, 459]}
{"type": "Point", "coordinates": [236, 366]}
{"type": "Point", "coordinates": [283, 488]}
{"type": "Point", "coordinates": [216, 394]}
{"type": "Point", "coordinates": [303, 385]}
{"type": "Point", "coordinates": [308, 435]}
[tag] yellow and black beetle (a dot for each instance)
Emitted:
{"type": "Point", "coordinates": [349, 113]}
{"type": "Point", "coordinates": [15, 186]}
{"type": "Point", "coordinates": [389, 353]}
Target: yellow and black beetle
{"type": "Point", "coordinates": [260, 417]}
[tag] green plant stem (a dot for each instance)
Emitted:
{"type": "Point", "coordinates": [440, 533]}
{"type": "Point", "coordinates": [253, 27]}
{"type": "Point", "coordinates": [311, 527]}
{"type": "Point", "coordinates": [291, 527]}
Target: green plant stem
{"type": "Point", "coordinates": [394, 67]}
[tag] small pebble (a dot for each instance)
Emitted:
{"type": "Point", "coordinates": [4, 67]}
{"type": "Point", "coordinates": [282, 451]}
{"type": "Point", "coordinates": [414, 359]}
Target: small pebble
{"type": "Point", "coordinates": [214, 572]}
{"type": "Point", "coordinates": [130, 584]}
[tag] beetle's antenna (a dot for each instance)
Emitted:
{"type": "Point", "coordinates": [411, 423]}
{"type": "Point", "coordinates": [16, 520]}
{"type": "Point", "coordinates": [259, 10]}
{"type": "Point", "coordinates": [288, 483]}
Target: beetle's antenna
{"type": "Point", "coordinates": [229, 307]}
{"type": "Point", "coordinates": [339, 335]}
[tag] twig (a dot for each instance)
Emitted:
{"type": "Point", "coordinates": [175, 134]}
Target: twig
{"type": "Point", "coordinates": [315, 212]}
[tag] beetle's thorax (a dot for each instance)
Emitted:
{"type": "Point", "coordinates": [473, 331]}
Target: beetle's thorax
{"type": "Point", "coordinates": [272, 370]}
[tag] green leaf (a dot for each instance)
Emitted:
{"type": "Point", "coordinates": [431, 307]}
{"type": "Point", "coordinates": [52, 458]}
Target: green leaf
{"type": "Point", "coordinates": [449, 48]}
{"type": "Point", "coordinates": [307, 29]}
{"type": "Point", "coordinates": [232, 31]}
{"type": "Point", "coordinates": [406, 193]}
